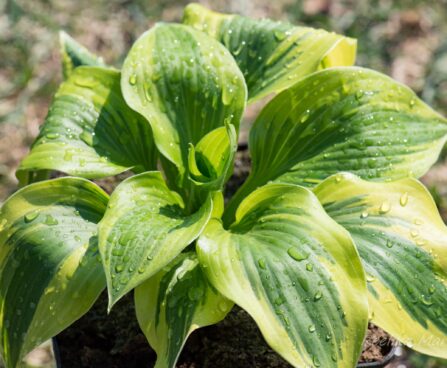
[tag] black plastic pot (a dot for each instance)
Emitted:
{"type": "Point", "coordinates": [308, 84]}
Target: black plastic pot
{"type": "Point", "coordinates": [56, 352]}
{"type": "Point", "coordinates": [383, 363]}
{"type": "Point", "coordinates": [388, 358]}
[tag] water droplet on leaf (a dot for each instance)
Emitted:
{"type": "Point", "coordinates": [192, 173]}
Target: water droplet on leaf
{"type": "Point", "coordinates": [133, 79]}
{"type": "Point", "coordinates": [29, 217]}
{"type": "Point", "coordinates": [51, 221]}
{"type": "Point", "coordinates": [364, 215]}
{"type": "Point", "coordinates": [296, 254]}
{"type": "Point", "coordinates": [52, 135]}
{"type": "Point", "coordinates": [385, 207]}
{"type": "Point", "coordinates": [119, 268]}
{"type": "Point", "coordinates": [404, 199]}
{"type": "Point", "coordinates": [305, 116]}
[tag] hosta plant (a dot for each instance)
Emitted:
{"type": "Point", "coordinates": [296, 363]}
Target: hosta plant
{"type": "Point", "coordinates": [331, 228]}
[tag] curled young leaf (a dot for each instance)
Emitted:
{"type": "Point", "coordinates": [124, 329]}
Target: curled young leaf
{"type": "Point", "coordinates": [50, 269]}
{"type": "Point", "coordinates": [272, 55]}
{"type": "Point", "coordinates": [90, 131]}
{"type": "Point", "coordinates": [186, 84]}
{"type": "Point", "coordinates": [74, 55]}
{"type": "Point", "coordinates": [175, 302]}
{"type": "Point", "coordinates": [145, 226]}
{"type": "Point", "coordinates": [343, 119]}
{"type": "Point", "coordinates": [402, 242]}
{"type": "Point", "coordinates": [295, 271]}
{"type": "Point", "coordinates": [211, 159]}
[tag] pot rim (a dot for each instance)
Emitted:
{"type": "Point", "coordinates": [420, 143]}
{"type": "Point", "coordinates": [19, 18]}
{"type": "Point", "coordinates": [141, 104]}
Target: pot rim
{"type": "Point", "coordinates": [387, 359]}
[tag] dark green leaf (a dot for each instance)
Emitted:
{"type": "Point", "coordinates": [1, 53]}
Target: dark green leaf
{"type": "Point", "coordinates": [144, 228]}
{"type": "Point", "coordinates": [175, 302]}
{"type": "Point", "coordinates": [272, 55]}
{"type": "Point", "coordinates": [296, 271]}
{"type": "Point", "coordinates": [402, 242]}
{"type": "Point", "coordinates": [186, 84]}
{"type": "Point", "coordinates": [90, 131]}
{"type": "Point", "coordinates": [50, 269]}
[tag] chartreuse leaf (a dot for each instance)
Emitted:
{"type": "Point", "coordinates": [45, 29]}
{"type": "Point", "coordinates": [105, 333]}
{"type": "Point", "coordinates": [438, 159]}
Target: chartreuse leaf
{"type": "Point", "coordinates": [295, 271]}
{"type": "Point", "coordinates": [272, 55]}
{"type": "Point", "coordinates": [343, 119]}
{"type": "Point", "coordinates": [402, 242]}
{"type": "Point", "coordinates": [50, 269]}
{"type": "Point", "coordinates": [175, 302]}
{"type": "Point", "coordinates": [211, 159]}
{"type": "Point", "coordinates": [143, 229]}
{"type": "Point", "coordinates": [186, 84]}
{"type": "Point", "coordinates": [90, 131]}
{"type": "Point", "coordinates": [74, 55]}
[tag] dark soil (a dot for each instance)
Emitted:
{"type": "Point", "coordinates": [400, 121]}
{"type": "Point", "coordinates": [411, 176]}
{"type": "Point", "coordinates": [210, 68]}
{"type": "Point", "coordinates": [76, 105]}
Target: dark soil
{"type": "Point", "coordinates": [241, 169]}
{"type": "Point", "coordinates": [115, 341]}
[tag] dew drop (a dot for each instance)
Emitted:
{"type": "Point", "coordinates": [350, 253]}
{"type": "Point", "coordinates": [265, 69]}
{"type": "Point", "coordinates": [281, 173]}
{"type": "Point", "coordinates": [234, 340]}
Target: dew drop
{"type": "Point", "coordinates": [389, 243]}
{"type": "Point", "coordinates": [3, 223]}
{"type": "Point", "coordinates": [147, 92]}
{"type": "Point", "coordinates": [261, 263]}
{"type": "Point", "coordinates": [279, 35]}
{"type": "Point", "coordinates": [224, 305]}
{"type": "Point", "coordinates": [305, 116]}
{"type": "Point", "coordinates": [133, 79]}
{"type": "Point", "coordinates": [311, 328]}
{"type": "Point", "coordinates": [318, 295]}
{"type": "Point", "coordinates": [418, 221]}
{"type": "Point", "coordinates": [68, 156]}
{"type": "Point", "coordinates": [52, 135]}
{"type": "Point", "coordinates": [117, 252]}
{"type": "Point", "coordinates": [86, 137]}
{"type": "Point", "coordinates": [372, 163]}
{"type": "Point", "coordinates": [279, 301]}
{"type": "Point", "coordinates": [309, 267]}
{"type": "Point", "coordinates": [420, 242]}
{"type": "Point", "coordinates": [119, 268]}
{"type": "Point", "coordinates": [426, 301]}
{"type": "Point", "coordinates": [30, 217]}
{"type": "Point", "coordinates": [50, 221]}
{"type": "Point", "coordinates": [296, 254]}
{"type": "Point", "coordinates": [195, 293]}
{"type": "Point", "coordinates": [404, 199]}
{"type": "Point", "coordinates": [385, 207]}
{"type": "Point", "coordinates": [364, 215]}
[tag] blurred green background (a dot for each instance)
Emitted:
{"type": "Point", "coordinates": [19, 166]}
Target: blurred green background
{"type": "Point", "coordinates": [406, 39]}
